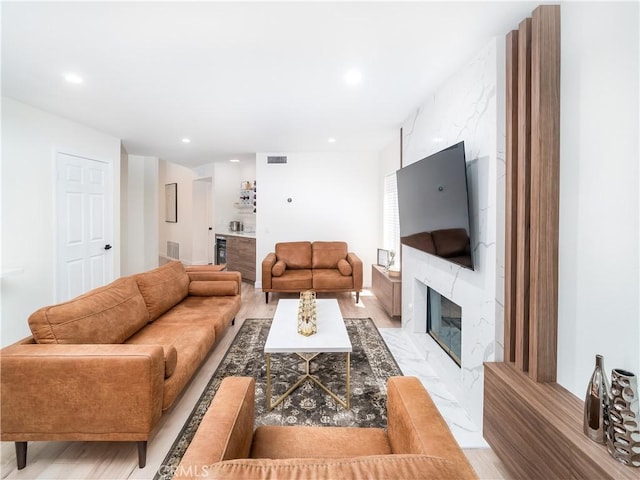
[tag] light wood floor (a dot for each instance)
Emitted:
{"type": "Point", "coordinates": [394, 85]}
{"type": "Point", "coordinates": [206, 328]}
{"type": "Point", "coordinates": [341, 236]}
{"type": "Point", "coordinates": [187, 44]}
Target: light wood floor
{"type": "Point", "coordinates": [118, 460]}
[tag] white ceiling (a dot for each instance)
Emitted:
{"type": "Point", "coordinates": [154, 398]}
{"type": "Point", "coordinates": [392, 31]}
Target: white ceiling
{"type": "Point", "coordinates": [241, 77]}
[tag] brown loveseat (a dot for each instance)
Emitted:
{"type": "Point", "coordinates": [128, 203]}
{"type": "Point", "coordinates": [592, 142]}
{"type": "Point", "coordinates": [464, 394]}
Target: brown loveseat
{"type": "Point", "coordinates": [416, 445]}
{"type": "Point", "coordinates": [105, 365]}
{"type": "Point", "coordinates": [319, 266]}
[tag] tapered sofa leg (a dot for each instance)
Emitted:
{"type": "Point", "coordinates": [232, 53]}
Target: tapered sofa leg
{"type": "Point", "coordinates": [357, 297]}
{"type": "Point", "coordinates": [266, 297]}
{"type": "Point", "coordinates": [142, 454]}
{"type": "Point", "coordinates": [21, 454]}
{"type": "Point", "coordinates": [233, 321]}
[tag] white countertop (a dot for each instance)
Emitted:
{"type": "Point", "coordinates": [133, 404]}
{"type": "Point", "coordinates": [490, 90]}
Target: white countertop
{"type": "Point", "coordinates": [237, 234]}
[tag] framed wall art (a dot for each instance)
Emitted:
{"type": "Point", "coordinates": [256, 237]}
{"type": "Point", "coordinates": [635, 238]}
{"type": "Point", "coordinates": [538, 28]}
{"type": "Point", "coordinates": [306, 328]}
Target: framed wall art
{"type": "Point", "coordinates": [383, 258]}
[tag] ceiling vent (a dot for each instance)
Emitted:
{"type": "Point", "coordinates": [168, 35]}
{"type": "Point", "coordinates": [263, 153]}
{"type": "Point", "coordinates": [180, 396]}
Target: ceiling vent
{"type": "Point", "coordinates": [276, 160]}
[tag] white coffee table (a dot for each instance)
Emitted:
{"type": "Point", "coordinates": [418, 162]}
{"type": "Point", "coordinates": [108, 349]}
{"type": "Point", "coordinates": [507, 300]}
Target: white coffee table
{"type": "Point", "coordinates": [331, 337]}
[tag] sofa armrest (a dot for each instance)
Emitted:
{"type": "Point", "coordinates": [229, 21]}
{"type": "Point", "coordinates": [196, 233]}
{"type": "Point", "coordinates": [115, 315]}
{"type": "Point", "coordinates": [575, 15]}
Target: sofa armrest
{"type": "Point", "coordinates": [356, 266]}
{"type": "Point", "coordinates": [226, 430]}
{"type": "Point", "coordinates": [267, 264]}
{"type": "Point", "coordinates": [414, 424]}
{"type": "Point", "coordinates": [80, 392]}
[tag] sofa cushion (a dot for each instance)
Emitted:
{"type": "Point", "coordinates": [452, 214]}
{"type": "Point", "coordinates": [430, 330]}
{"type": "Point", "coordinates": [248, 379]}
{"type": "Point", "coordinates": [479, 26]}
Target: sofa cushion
{"type": "Point", "coordinates": [327, 254]}
{"type": "Point", "coordinates": [331, 279]}
{"type": "Point", "coordinates": [344, 267]}
{"type": "Point", "coordinates": [215, 313]}
{"type": "Point", "coordinates": [406, 467]}
{"type": "Point", "coordinates": [108, 314]}
{"type": "Point", "coordinates": [163, 287]}
{"type": "Point", "coordinates": [278, 268]}
{"type": "Point", "coordinates": [192, 344]}
{"type": "Point", "coordinates": [308, 442]}
{"type": "Point", "coordinates": [293, 280]}
{"type": "Point", "coordinates": [295, 254]}
{"type": "Point", "coordinates": [220, 288]}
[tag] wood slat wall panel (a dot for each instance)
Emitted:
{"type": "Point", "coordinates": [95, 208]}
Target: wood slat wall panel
{"type": "Point", "coordinates": [545, 191]}
{"type": "Point", "coordinates": [523, 194]}
{"type": "Point", "coordinates": [533, 424]}
{"type": "Point", "coordinates": [536, 430]}
{"type": "Point", "coordinates": [511, 202]}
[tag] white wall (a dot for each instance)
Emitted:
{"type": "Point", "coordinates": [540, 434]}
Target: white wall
{"type": "Point", "coordinates": [599, 288]}
{"type": "Point", "coordinates": [464, 108]}
{"type": "Point", "coordinates": [139, 213]}
{"type": "Point", "coordinates": [30, 138]}
{"type": "Point", "coordinates": [180, 232]}
{"type": "Point", "coordinates": [390, 158]}
{"type": "Point", "coordinates": [335, 196]}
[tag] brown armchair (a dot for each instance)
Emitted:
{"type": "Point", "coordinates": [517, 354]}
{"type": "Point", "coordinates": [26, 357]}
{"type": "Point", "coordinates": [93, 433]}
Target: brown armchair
{"type": "Point", "coordinates": [417, 443]}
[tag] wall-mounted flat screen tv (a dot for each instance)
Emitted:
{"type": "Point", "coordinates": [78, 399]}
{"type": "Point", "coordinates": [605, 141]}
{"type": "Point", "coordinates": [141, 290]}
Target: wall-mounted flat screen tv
{"type": "Point", "coordinates": [433, 205]}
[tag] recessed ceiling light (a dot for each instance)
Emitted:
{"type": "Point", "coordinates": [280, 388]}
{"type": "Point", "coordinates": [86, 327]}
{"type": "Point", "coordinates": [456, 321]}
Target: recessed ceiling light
{"type": "Point", "coordinates": [353, 77]}
{"type": "Point", "coordinates": [186, 140]}
{"type": "Point", "coordinates": [331, 140]}
{"type": "Point", "coordinates": [73, 78]}
{"type": "Point", "coordinates": [234, 160]}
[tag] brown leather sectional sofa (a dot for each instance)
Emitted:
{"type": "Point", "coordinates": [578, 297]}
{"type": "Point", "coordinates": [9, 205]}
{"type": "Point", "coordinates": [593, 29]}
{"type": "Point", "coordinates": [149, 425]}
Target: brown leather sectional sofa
{"type": "Point", "coordinates": [320, 266]}
{"type": "Point", "coordinates": [417, 443]}
{"type": "Point", "coordinates": [105, 365]}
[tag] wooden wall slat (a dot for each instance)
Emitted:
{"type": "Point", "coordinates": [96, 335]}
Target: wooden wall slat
{"type": "Point", "coordinates": [524, 193]}
{"type": "Point", "coordinates": [545, 191]}
{"type": "Point", "coordinates": [511, 201]}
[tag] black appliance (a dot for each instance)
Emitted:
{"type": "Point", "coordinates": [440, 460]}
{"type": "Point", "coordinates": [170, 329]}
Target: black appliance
{"type": "Point", "coordinates": [221, 250]}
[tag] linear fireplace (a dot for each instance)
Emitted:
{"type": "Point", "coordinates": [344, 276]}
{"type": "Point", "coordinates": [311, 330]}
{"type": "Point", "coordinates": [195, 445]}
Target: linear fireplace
{"type": "Point", "coordinates": [444, 324]}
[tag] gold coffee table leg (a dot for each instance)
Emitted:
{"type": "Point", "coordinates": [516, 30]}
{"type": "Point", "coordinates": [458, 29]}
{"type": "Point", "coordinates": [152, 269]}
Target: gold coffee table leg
{"type": "Point", "coordinates": [345, 403]}
{"type": "Point", "coordinates": [348, 380]}
{"type": "Point", "coordinates": [269, 382]}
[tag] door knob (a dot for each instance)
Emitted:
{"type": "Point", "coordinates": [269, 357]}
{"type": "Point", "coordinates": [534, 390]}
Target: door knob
{"type": "Point", "coordinates": [107, 247]}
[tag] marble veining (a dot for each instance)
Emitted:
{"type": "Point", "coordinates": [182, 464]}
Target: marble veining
{"type": "Point", "coordinates": [464, 108]}
{"type": "Point", "coordinates": [466, 432]}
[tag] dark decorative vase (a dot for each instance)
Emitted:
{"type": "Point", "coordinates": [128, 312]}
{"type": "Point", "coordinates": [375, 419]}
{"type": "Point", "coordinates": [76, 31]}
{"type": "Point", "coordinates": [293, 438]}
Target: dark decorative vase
{"type": "Point", "coordinates": [596, 404]}
{"type": "Point", "coordinates": [623, 434]}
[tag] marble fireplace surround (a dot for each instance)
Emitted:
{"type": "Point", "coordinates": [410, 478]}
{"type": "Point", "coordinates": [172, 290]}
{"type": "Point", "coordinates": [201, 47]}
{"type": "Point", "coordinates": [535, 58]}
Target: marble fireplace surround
{"type": "Point", "coordinates": [465, 108]}
{"type": "Point", "coordinates": [449, 372]}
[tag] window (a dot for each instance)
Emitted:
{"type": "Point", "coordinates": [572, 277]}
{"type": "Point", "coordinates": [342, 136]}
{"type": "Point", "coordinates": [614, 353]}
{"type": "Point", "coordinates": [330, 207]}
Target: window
{"type": "Point", "coordinates": [390, 217]}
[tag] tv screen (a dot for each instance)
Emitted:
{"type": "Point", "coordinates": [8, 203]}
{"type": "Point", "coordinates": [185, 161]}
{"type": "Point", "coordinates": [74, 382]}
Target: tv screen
{"type": "Point", "coordinates": [434, 207]}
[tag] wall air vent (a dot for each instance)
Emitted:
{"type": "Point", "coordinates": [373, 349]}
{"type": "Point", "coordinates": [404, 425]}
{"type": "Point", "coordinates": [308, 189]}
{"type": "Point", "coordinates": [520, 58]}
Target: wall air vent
{"type": "Point", "coordinates": [276, 160]}
{"type": "Point", "coordinates": [173, 250]}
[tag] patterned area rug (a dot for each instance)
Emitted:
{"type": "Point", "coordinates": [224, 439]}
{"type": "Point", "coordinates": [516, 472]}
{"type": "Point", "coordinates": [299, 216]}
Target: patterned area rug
{"type": "Point", "coordinates": [371, 365]}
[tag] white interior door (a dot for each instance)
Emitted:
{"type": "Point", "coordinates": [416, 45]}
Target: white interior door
{"type": "Point", "coordinates": [202, 234]}
{"type": "Point", "coordinates": [84, 223]}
